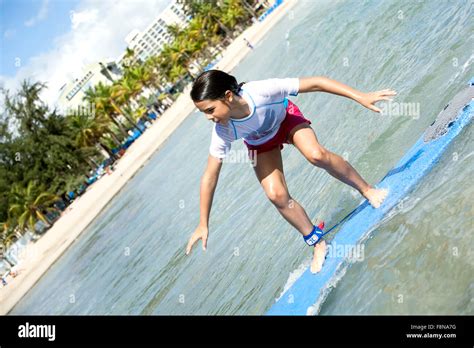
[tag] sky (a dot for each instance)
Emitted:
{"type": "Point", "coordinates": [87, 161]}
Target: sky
{"type": "Point", "coordinates": [52, 40]}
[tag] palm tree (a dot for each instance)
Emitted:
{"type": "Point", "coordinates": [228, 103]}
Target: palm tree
{"type": "Point", "coordinates": [31, 204]}
{"type": "Point", "coordinates": [125, 91]}
{"type": "Point", "coordinates": [211, 20]}
{"type": "Point", "coordinates": [209, 12]}
{"type": "Point", "coordinates": [142, 75]}
{"type": "Point", "coordinates": [99, 97]}
{"type": "Point", "coordinates": [157, 78]}
{"type": "Point", "coordinates": [173, 61]}
{"type": "Point", "coordinates": [248, 8]}
{"type": "Point", "coordinates": [102, 97]}
{"type": "Point", "coordinates": [8, 234]}
{"type": "Point", "coordinates": [128, 58]}
{"type": "Point", "coordinates": [190, 7]}
{"type": "Point", "coordinates": [234, 14]}
{"type": "Point", "coordinates": [174, 30]}
{"type": "Point", "coordinates": [88, 131]}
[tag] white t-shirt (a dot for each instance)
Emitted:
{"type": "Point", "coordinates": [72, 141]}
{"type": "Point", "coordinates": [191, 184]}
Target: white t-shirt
{"type": "Point", "coordinates": [267, 100]}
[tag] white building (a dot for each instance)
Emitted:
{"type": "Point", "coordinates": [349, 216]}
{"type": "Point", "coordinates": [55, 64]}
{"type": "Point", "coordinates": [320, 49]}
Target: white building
{"type": "Point", "coordinates": [71, 94]}
{"type": "Point", "coordinates": [150, 41]}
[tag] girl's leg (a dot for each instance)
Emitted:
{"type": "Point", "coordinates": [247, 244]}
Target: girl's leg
{"type": "Point", "coordinates": [305, 140]}
{"type": "Point", "coordinates": [269, 171]}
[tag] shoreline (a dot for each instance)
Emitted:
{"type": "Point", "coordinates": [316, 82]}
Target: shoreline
{"type": "Point", "coordinates": [42, 254]}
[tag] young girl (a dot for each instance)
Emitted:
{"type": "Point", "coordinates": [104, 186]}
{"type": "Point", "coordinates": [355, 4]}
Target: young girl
{"type": "Point", "coordinates": [260, 113]}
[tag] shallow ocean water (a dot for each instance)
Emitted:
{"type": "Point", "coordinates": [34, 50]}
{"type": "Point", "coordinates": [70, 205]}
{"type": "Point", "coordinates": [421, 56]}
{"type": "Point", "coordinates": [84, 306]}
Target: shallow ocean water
{"type": "Point", "coordinates": [131, 259]}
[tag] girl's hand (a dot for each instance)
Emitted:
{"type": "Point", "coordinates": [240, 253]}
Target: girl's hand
{"type": "Point", "coordinates": [201, 232]}
{"type": "Point", "coordinates": [369, 99]}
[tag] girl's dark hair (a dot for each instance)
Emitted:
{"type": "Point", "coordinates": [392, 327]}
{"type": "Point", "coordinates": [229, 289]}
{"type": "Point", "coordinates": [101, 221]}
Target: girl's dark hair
{"type": "Point", "coordinates": [212, 84]}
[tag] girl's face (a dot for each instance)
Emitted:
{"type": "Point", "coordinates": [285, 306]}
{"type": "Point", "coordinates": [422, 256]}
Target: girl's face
{"type": "Point", "coordinates": [217, 110]}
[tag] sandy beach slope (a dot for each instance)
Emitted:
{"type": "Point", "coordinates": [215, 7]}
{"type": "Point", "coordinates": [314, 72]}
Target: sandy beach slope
{"type": "Point", "coordinates": [41, 255]}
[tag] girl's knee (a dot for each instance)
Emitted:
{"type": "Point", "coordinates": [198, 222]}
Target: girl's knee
{"type": "Point", "coordinates": [319, 156]}
{"type": "Point", "coordinates": [279, 197]}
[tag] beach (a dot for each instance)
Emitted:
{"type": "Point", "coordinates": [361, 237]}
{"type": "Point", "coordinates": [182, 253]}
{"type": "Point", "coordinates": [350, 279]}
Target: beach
{"type": "Point", "coordinates": [42, 254]}
{"type": "Point", "coordinates": [130, 260]}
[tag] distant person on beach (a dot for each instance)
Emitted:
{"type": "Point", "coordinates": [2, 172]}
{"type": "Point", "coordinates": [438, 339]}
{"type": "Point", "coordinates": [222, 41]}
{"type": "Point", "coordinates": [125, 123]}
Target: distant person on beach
{"type": "Point", "coordinates": [248, 43]}
{"type": "Point", "coordinates": [15, 271]}
{"type": "Point", "coordinates": [260, 113]}
{"type": "Point", "coordinates": [109, 169]}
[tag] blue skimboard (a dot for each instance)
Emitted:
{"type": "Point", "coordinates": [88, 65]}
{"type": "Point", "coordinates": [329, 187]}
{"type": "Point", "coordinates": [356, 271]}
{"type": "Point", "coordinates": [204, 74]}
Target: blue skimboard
{"type": "Point", "coordinates": [308, 292]}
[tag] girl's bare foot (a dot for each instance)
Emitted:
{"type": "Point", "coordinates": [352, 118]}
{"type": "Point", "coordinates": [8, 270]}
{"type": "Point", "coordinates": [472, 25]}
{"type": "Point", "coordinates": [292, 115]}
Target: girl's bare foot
{"type": "Point", "coordinates": [375, 196]}
{"type": "Point", "coordinates": [319, 255]}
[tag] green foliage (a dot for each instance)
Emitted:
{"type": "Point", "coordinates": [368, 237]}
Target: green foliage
{"type": "Point", "coordinates": [44, 154]}
{"type": "Point", "coordinates": [30, 204]}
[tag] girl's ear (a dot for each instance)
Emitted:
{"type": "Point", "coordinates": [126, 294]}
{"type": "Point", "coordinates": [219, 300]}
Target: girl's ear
{"type": "Point", "coordinates": [228, 95]}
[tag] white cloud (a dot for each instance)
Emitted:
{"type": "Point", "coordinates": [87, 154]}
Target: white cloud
{"type": "Point", "coordinates": [9, 33]}
{"type": "Point", "coordinates": [41, 15]}
{"type": "Point", "coordinates": [98, 30]}
{"type": "Point", "coordinates": [86, 16]}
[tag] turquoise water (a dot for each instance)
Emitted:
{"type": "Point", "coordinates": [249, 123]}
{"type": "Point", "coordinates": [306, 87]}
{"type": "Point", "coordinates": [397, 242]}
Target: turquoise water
{"type": "Point", "coordinates": [419, 260]}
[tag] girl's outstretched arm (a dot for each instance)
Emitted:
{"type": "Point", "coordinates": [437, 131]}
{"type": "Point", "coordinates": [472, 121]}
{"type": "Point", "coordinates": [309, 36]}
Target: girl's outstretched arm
{"type": "Point", "coordinates": [208, 187]}
{"type": "Point", "coordinates": [324, 84]}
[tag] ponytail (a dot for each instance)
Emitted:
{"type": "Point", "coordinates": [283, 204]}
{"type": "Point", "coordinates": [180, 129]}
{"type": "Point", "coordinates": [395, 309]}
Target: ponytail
{"type": "Point", "coordinates": [213, 84]}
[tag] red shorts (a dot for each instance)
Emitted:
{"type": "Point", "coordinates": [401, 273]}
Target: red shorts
{"type": "Point", "coordinates": [293, 118]}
